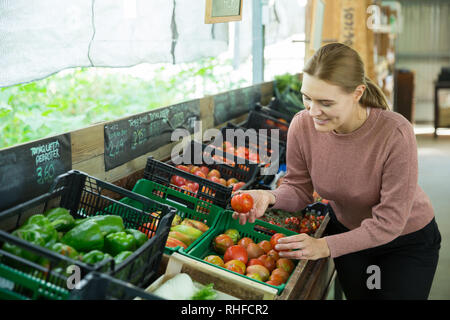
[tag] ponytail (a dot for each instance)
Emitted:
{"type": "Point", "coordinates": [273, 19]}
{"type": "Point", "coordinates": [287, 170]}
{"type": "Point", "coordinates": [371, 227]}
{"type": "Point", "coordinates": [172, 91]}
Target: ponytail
{"type": "Point", "coordinates": [373, 96]}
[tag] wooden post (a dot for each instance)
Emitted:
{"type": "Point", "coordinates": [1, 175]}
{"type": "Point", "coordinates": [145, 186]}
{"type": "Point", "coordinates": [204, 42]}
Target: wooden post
{"type": "Point", "coordinates": [345, 21]}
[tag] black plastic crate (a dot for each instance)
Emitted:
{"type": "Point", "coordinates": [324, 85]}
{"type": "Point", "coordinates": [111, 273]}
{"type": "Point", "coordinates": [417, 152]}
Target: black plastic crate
{"type": "Point", "coordinates": [99, 286]}
{"type": "Point", "coordinates": [208, 191]}
{"type": "Point", "coordinates": [260, 120]}
{"type": "Point", "coordinates": [272, 111]}
{"type": "Point", "coordinates": [85, 196]}
{"type": "Point", "coordinates": [264, 142]}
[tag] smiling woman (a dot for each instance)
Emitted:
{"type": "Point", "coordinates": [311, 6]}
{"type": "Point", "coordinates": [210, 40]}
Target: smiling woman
{"type": "Point", "coordinates": [355, 152]}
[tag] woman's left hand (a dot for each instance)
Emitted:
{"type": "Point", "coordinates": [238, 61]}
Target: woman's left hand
{"type": "Point", "coordinates": [303, 246]}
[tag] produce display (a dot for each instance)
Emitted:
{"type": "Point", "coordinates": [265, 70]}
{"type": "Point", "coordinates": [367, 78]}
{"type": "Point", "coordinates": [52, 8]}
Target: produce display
{"type": "Point", "coordinates": [90, 240]}
{"type": "Point", "coordinates": [184, 232]}
{"type": "Point", "coordinates": [204, 172]}
{"type": "Point", "coordinates": [298, 222]}
{"type": "Point", "coordinates": [259, 261]}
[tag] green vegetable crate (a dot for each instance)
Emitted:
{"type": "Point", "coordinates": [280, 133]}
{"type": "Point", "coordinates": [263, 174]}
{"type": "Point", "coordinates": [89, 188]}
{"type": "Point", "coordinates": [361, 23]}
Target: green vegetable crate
{"type": "Point", "coordinates": [258, 231]}
{"type": "Point", "coordinates": [59, 237]}
{"type": "Point", "coordinates": [187, 206]}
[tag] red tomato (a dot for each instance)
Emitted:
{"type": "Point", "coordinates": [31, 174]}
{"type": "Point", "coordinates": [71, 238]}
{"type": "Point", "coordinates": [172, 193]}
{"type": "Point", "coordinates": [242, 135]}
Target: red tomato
{"type": "Point", "coordinates": [275, 237]}
{"type": "Point", "coordinates": [183, 167]}
{"type": "Point", "coordinates": [222, 242]}
{"type": "Point", "coordinates": [276, 278]}
{"type": "Point", "coordinates": [236, 253]}
{"type": "Point", "coordinates": [178, 181]}
{"type": "Point", "coordinates": [200, 174]}
{"type": "Point", "coordinates": [214, 173]}
{"type": "Point", "coordinates": [274, 254]}
{"type": "Point", "coordinates": [254, 261]}
{"type": "Point", "coordinates": [193, 186]}
{"type": "Point", "coordinates": [205, 170]}
{"type": "Point", "coordinates": [214, 179]}
{"type": "Point", "coordinates": [242, 202]}
{"type": "Point", "coordinates": [238, 185]}
{"type": "Point", "coordinates": [215, 260]}
{"type": "Point", "coordinates": [244, 242]}
{"type": "Point", "coordinates": [285, 264]}
{"type": "Point", "coordinates": [194, 169]}
{"type": "Point", "coordinates": [236, 266]}
{"type": "Point", "coordinates": [280, 272]}
{"type": "Point", "coordinates": [268, 262]}
{"type": "Point", "coordinates": [265, 245]}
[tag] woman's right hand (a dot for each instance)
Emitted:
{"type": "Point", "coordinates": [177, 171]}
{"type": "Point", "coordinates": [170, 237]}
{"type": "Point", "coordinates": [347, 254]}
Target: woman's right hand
{"type": "Point", "coordinates": [261, 200]}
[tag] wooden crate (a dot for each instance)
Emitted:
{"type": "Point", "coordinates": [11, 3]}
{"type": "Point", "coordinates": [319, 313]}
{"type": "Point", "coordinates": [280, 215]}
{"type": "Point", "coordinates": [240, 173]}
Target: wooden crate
{"type": "Point", "coordinates": [228, 284]}
{"type": "Point", "coordinates": [309, 280]}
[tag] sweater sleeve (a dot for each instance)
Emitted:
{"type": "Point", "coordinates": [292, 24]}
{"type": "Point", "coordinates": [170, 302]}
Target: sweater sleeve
{"type": "Point", "coordinates": [296, 191]}
{"type": "Point", "coordinates": [398, 187]}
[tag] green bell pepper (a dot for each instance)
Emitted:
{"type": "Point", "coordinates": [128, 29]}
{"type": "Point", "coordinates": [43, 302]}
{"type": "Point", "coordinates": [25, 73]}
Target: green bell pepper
{"type": "Point", "coordinates": [121, 257]}
{"type": "Point", "coordinates": [65, 250]}
{"type": "Point", "coordinates": [108, 223]}
{"type": "Point", "coordinates": [95, 256]}
{"type": "Point", "coordinates": [139, 236]}
{"type": "Point", "coordinates": [79, 221]}
{"type": "Point", "coordinates": [42, 225]}
{"type": "Point", "coordinates": [85, 237]}
{"type": "Point", "coordinates": [118, 242]}
{"type": "Point", "coordinates": [60, 218]}
{"type": "Point", "coordinates": [31, 236]}
{"type": "Point", "coordinates": [62, 249]}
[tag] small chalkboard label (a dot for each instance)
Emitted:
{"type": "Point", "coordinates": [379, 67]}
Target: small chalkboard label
{"type": "Point", "coordinates": [232, 104]}
{"type": "Point", "coordinates": [129, 138]}
{"type": "Point", "coordinates": [219, 11]}
{"type": "Point", "coordinates": [28, 170]}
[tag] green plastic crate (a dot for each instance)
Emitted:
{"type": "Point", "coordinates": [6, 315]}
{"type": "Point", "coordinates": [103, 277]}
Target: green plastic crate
{"type": "Point", "coordinates": [258, 231]}
{"type": "Point", "coordinates": [18, 285]}
{"type": "Point", "coordinates": [187, 206]}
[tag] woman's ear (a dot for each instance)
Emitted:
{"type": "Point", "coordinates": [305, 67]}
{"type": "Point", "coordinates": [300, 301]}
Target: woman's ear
{"type": "Point", "coordinates": [357, 94]}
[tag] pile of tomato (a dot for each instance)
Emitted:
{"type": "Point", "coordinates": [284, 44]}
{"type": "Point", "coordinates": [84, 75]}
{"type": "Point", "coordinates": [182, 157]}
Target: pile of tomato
{"type": "Point", "coordinates": [205, 173]}
{"type": "Point", "coordinates": [308, 224]}
{"type": "Point", "coordinates": [257, 260]}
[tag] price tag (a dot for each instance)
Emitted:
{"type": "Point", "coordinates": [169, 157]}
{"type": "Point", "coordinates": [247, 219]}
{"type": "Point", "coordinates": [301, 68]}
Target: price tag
{"type": "Point", "coordinates": [232, 104]}
{"type": "Point", "coordinates": [129, 138]}
{"type": "Point", "coordinates": [29, 170]}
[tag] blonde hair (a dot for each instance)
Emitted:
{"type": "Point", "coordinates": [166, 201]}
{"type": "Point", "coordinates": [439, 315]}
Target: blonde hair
{"type": "Point", "coordinates": [341, 65]}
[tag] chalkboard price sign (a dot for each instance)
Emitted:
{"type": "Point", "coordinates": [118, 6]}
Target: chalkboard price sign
{"type": "Point", "coordinates": [29, 170]}
{"type": "Point", "coordinates": [232, 104]}
{"type": "Point", "coordinates": [129, 138]}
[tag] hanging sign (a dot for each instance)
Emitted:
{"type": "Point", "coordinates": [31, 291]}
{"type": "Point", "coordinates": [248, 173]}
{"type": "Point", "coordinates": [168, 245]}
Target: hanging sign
{"type": "Point", "coordinates": [219, 11]}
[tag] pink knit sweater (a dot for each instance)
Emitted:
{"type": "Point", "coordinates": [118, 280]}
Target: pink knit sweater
{"type": "Point", "coordinates": [369, 175]}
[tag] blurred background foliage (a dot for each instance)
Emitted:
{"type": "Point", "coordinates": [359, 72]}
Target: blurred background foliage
{"type": "Point", "coordinates": [76, 98]}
